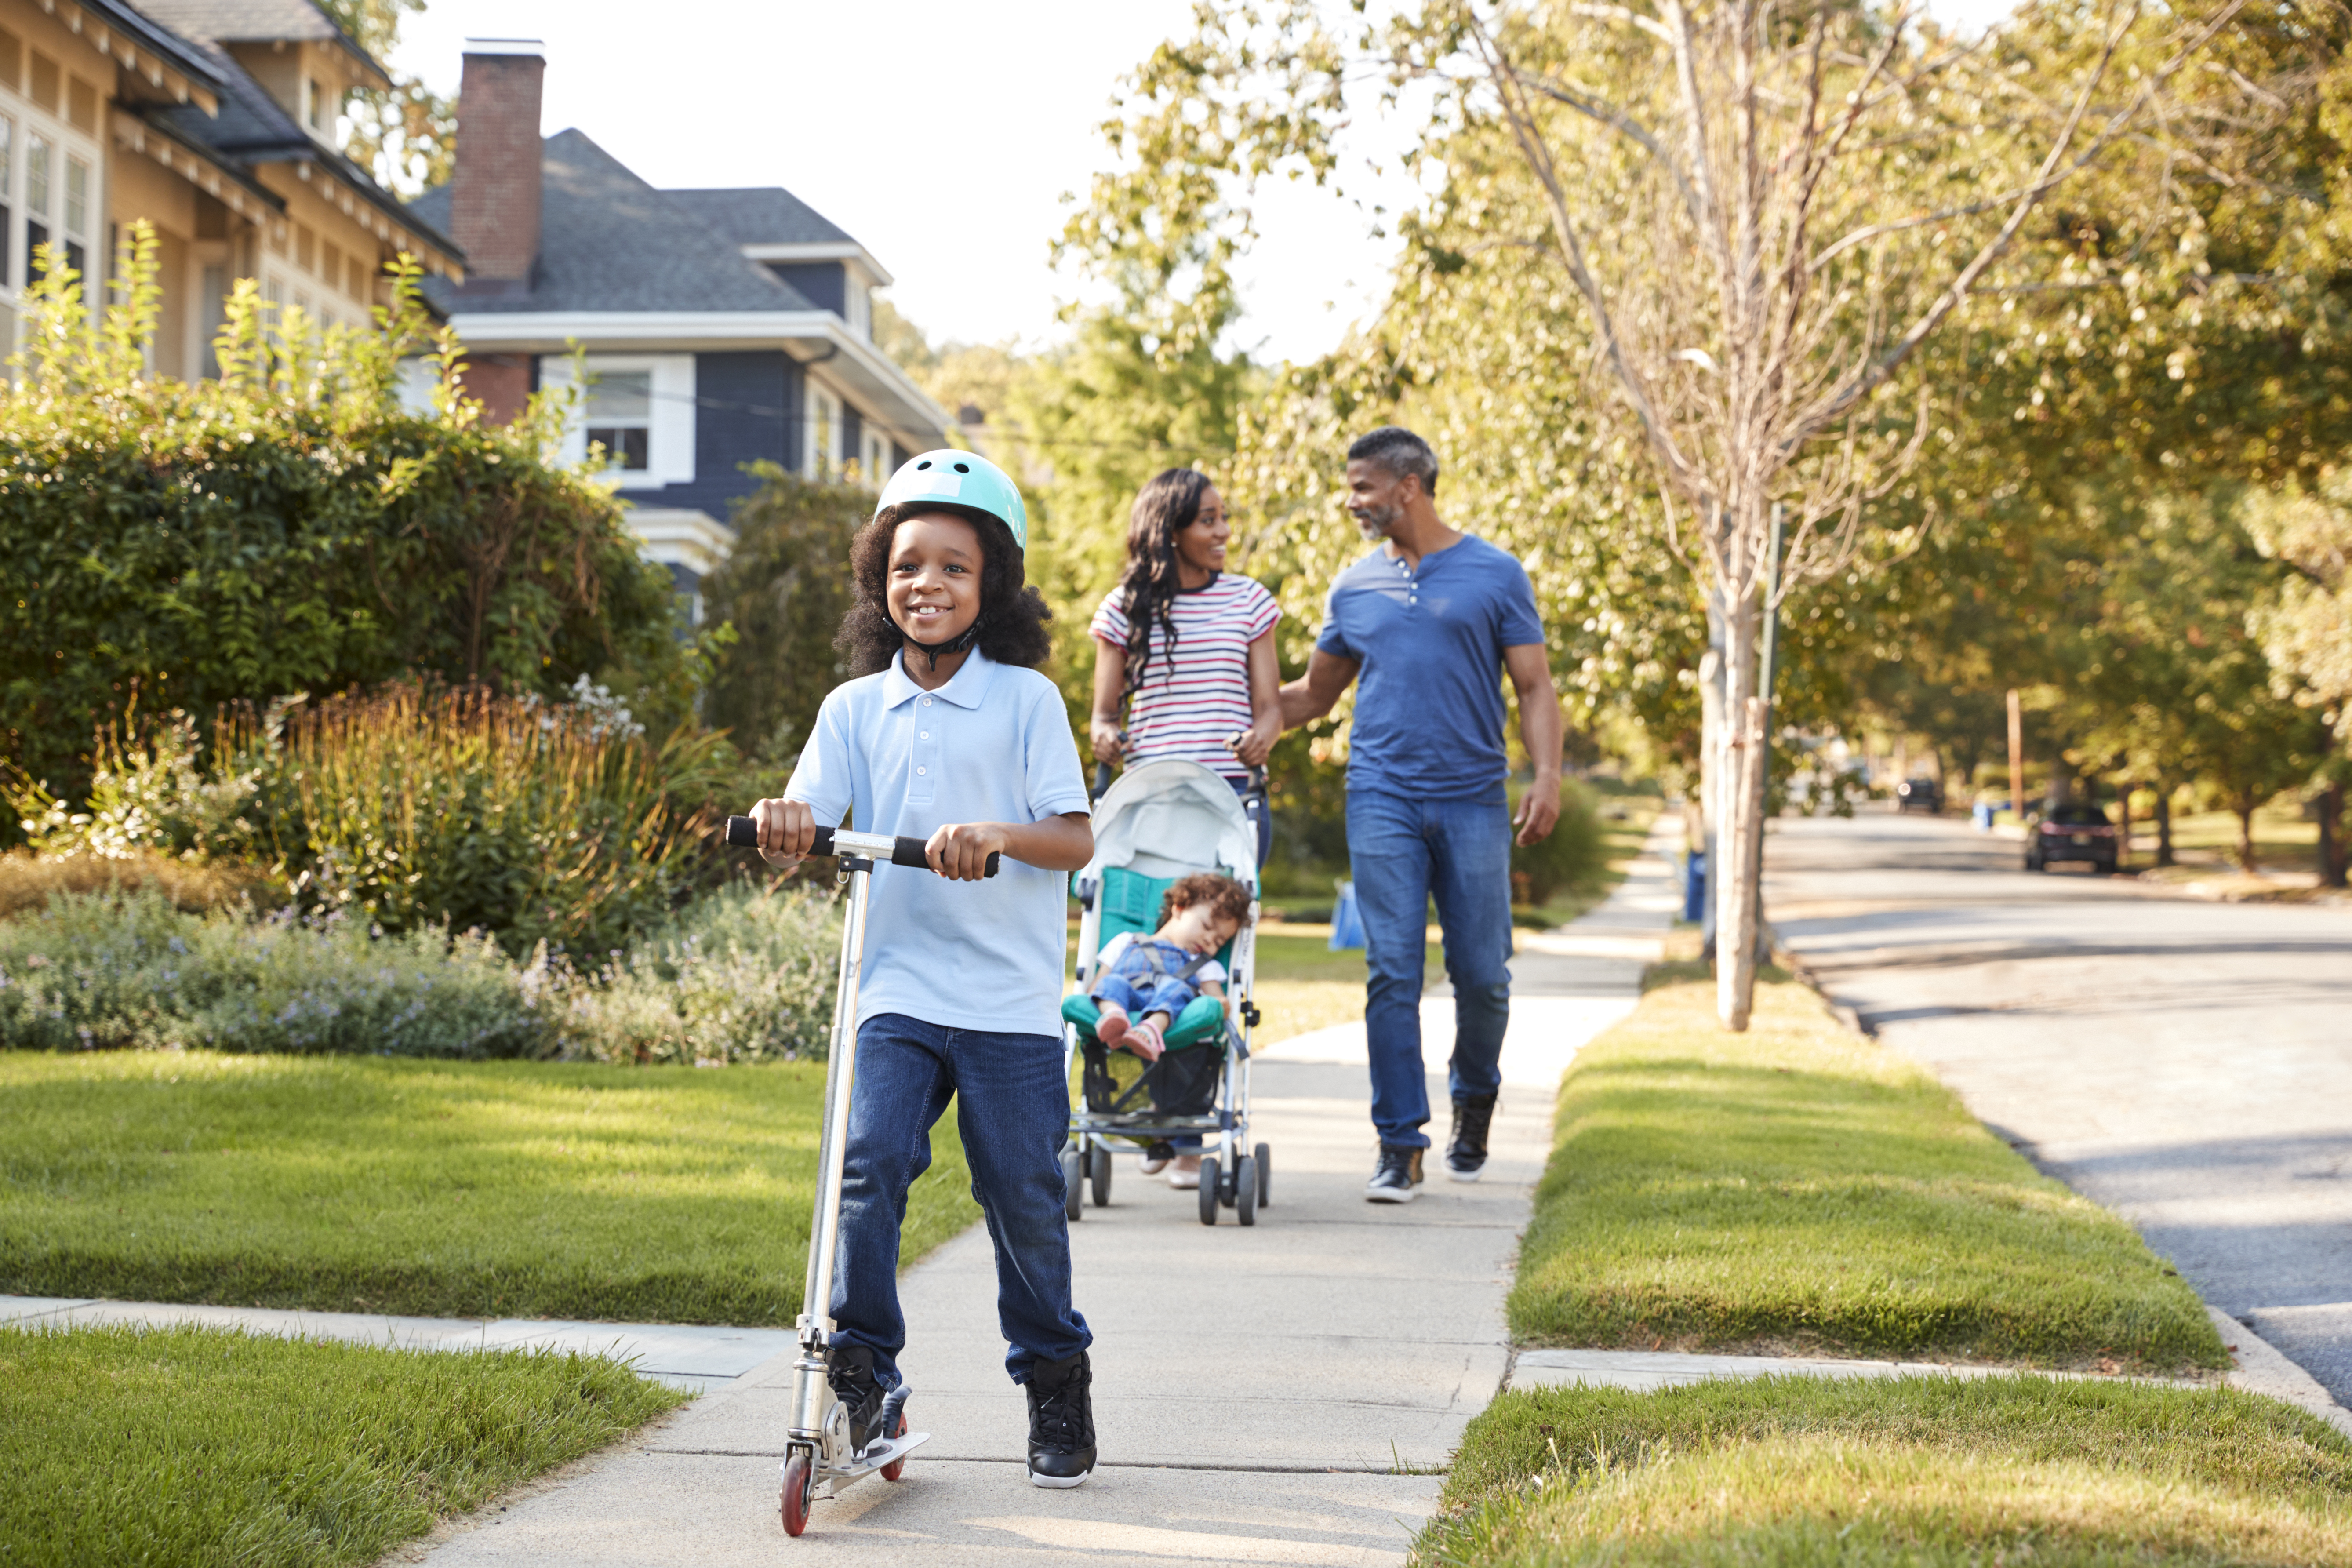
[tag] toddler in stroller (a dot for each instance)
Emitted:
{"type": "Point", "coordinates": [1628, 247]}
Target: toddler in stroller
{"type": "Point", "coordinates": [1158, 975]}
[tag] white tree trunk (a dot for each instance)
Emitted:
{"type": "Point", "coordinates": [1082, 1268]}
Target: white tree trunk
{"type": "Point", "coordinates": [1739, 833]}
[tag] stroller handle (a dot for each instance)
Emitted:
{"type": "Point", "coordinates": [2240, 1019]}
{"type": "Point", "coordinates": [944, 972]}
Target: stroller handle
{"type": "Point", "coordinates": [743, 832]}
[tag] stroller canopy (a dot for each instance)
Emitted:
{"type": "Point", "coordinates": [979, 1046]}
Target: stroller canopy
{"type": "Point", "coordinates": [1172, 817]}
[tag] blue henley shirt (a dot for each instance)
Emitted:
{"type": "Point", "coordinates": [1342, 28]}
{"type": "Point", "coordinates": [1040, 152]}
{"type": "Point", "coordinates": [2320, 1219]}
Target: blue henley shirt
{"type": "Point", "coordinates": [1429, 699]}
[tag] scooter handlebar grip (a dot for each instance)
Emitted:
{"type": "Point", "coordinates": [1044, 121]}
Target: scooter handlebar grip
{"type": "Point", "coordinates": [743, 833]}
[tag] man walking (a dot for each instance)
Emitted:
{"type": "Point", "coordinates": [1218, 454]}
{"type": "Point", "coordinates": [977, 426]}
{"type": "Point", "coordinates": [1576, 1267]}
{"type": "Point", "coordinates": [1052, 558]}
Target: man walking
{"type": "Point", "coordinates": [1428, 622]}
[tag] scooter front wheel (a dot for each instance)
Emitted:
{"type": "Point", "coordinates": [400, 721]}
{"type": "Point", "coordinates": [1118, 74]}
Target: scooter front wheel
{"type": "Point", "coordinates": [800, 1489]}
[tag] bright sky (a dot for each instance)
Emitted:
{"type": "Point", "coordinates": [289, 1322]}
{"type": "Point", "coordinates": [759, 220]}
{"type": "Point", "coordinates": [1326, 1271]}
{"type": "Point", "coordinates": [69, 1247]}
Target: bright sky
{"type": "Point", "coordinates": [942, 142]}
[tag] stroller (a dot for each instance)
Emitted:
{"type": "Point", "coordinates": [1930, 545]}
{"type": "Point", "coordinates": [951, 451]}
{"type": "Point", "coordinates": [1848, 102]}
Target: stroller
{"type": "Point", "coordinates": [1163, 820]}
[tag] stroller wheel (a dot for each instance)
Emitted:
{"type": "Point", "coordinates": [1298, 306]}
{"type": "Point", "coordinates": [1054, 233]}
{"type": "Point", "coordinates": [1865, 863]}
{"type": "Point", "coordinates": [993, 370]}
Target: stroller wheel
{"type": "Point", "coordinates": [1264, 1159]}
{"type": "Point", "coordinates": [1209, 1185]}
{"type": "Point", "coordinates": [1098, 1174]}
{"type": "Point", "coordinates": [1245, 1191]}
{"type": "Point", "coordinates": [1074, 1188]}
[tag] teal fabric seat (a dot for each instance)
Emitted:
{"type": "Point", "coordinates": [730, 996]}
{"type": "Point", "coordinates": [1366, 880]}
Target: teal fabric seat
{"type": "Point", "coordinates": [1129, 901]}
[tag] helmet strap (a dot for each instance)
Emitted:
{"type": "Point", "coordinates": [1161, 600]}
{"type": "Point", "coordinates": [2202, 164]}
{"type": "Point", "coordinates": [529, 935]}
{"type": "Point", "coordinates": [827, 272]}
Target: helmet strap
{"type": "Point", "coordinates": [933, 652]}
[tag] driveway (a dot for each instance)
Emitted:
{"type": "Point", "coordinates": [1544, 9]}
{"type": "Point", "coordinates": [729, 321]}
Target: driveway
{"type": "Point", "coordinates": [2187, 1064]}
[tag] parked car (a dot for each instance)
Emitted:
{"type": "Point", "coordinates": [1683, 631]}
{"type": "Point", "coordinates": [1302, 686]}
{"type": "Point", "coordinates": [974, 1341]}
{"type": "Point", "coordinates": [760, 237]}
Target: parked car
{"type": "Point", "coordinates": [2075, 831]}
{"type": "Point", "coordinates": [1919, 794]}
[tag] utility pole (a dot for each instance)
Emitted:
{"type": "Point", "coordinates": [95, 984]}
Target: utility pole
{"type": "Point", "coordinates": [2016, 756]}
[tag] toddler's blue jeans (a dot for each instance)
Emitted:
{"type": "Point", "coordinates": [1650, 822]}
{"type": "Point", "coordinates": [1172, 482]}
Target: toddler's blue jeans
{"type": "Point", "coordinates": [1164, 993]}
{"type": "Point", "coordinates": [1404, 853]}
{"type": "Point", "coordinates": [1013, 1107]}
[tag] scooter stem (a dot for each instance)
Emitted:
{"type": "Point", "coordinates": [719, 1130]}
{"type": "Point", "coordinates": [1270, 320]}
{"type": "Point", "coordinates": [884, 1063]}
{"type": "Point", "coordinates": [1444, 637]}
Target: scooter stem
{"type": "Point", "coordinates": [825, 1221]}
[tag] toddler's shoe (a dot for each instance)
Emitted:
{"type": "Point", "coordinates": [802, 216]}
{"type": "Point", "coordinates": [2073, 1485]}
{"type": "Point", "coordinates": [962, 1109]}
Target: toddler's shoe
{"type": "Point", "coordinates": [1186, 1177]}
{"type": "Point", "coordinates": [1156, 1158]}
{"type": "Point", "coordinates": [1113, 1026]}
{"type": "Point", "coordinates": [1144, 1040]}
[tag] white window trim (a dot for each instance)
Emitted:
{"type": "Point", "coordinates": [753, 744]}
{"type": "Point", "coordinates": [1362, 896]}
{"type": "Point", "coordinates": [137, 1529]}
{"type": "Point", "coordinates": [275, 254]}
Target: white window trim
{"type": "Point", "coordinates": [820, 438]}
{"type": "Point", "coordinates": [669, 435]}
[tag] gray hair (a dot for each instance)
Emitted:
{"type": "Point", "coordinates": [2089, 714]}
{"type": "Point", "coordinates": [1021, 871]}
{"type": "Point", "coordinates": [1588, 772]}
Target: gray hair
{"type": "Point", "coordinates": [1400, 452]}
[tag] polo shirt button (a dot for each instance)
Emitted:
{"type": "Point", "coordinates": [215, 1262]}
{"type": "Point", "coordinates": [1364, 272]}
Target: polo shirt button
{"type": "Point", "coordinates": [922, 770]}
{"type": "Point", "coordinates": [927, 734]}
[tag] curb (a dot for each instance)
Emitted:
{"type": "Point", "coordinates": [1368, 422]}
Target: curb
{"type": "Point", "coordinates": [2262, 1368]}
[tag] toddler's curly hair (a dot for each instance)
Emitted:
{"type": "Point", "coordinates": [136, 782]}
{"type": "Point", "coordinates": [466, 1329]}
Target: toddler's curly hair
{"type": "Point", "coordinates": [1223, 894]}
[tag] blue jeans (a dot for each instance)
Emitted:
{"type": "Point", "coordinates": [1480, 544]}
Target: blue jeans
{"type": "Point", "coordinates": [1402, 852]}
{"type": "Point", "coordinates": [1013, 1107]}
{"type": "Point", "coordinates": [1160, 994]}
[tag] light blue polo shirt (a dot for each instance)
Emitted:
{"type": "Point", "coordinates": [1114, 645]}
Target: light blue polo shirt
{"type": "Point", "coordinates": [994, 744]}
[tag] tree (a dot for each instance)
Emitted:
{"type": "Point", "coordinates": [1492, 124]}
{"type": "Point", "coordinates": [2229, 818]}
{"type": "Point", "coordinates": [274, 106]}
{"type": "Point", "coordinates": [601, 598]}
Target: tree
{"type": "Point", "coordinates": [2305, 624]}
{"type": "Point", "coordinates": [406, 138]}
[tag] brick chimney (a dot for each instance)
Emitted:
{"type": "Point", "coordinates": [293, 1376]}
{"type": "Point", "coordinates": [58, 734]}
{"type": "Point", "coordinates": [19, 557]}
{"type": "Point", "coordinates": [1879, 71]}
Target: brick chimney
{"type": "Point", "coordinates": [493, 189]}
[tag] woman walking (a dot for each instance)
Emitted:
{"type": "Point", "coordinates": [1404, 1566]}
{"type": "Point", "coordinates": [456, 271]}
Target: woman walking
{"type": "Point", "coordinates": [1184, 650]}
{"type": "Point", "coordinates": [1184, 664]}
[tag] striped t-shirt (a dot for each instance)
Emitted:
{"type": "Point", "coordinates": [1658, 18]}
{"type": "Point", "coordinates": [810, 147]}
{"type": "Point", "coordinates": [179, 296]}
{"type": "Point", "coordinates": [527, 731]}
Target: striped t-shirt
{"type": "Point", "coordinates": [1190, 710]}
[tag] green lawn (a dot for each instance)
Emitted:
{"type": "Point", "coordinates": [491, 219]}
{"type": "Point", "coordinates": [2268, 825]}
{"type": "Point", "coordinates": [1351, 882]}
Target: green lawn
{"type": "Point", "coordinates": [1799, 1188]}
{"type": "Point", "coordinates": [646, 1194]}
{"type": "Point", "coordinates": [1915, 1472]}
{"type": "Point", "coordinates": [203, 1447]}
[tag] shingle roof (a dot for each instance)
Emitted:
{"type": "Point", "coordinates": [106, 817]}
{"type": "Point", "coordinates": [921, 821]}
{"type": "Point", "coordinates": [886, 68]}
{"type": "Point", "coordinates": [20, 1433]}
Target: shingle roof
{"type": "Point", "coordinates": [252, 128]}
{"type": "Point", "coordinates": [608, 241]}
{"type": "Point", "coordinates": [761, 215]}
{"type": "Point", "coordinates": [253, 21]}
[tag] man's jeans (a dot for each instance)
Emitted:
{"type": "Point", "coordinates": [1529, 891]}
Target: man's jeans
{"type": "Point", "coordinates": [1403, 852]}
{"type": "Point", "coordinates": [1013, 1107]}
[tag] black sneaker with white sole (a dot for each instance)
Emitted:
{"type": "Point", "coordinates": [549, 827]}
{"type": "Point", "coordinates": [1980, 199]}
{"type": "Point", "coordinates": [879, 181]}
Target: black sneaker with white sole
{"type": "Point", "coordinates": [1465, 1151]}
{"type": "Point", "coordinates": [850, 1369]}
{"type": "Point", "coordinates": [1395, 1176]}
{"type": "Point", "coordinates": [1061, 1422]}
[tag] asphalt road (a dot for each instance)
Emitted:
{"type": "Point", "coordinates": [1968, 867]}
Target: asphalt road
{"type": "Point", "coordinates": [2187, 1064]}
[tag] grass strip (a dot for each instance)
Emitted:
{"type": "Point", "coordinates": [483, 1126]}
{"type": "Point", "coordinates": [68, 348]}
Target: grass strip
{"type": "Point", "coordinates": [201, 1447]}
{"type": "Point", "coordinates": [1922, 1472]}
{"type": "Point", "coordinates": [445, 1189]}
{"type": "Point", "coordinates": [1797, 1188]}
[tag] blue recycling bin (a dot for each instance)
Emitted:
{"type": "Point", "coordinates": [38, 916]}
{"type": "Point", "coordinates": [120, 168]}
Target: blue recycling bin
{"type": "Point", "coordinates": [1346, 920]}
{"type": "Point", "coordinates": [1695, 885]}
{"type": "Point", "coordinates": [1982, 814]}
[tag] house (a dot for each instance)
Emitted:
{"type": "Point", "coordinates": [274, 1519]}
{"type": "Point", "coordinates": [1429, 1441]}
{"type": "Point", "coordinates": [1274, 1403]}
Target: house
{"type": "Point", "coordinates": [215, 122]}
{"type": "Point", "coordinates": [716, 326]}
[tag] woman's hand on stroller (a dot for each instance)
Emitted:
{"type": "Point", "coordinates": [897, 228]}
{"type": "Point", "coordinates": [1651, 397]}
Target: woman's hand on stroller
{"type": "Point", "coordinates": [1254, 744]}
{"type": "Point", "coordinates": [1108, 740]}
{"type": "Point", "coordinates": [787, 831]}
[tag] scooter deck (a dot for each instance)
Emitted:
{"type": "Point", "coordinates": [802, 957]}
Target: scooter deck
{"type": "Point", "coordinates": [832, 1483]}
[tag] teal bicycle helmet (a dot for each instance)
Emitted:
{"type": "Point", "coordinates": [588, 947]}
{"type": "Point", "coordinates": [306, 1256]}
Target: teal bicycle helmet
{"type": "Point", "coordinates": [959, 480]}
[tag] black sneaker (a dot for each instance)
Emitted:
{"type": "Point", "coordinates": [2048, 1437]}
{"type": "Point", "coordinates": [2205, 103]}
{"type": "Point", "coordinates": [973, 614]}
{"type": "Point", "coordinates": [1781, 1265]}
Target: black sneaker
{"type": "Point", "coordinates": [1465, 1151]}
{"type": "Point", "coordinates": [1061, 1422]}
{"type": "Point", "coordinates": [850, 1369]}
{"type": "Point", "coordinates": [1395, 1176]}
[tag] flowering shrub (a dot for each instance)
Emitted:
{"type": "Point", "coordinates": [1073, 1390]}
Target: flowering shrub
{"type": "Point", "coordinates": [741, 975]}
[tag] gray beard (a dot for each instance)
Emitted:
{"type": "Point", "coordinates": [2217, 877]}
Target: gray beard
{"type": "Point", "coordinates": [1376, 521]}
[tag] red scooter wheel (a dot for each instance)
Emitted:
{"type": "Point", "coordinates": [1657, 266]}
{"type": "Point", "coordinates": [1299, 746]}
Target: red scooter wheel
{"type": "Point", "coordinates": [798, 1485]}
{"type": "Point", "coordinates": [896, 1467]}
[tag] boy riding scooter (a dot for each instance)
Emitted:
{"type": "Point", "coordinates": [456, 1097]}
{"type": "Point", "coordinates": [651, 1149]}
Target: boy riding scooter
{"type": "Point", "coordinates": [950, 736]}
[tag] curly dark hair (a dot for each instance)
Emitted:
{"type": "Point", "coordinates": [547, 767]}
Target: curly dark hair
{"type": "Point", "coordinates": [1013, 615]}
{"type": "Point", "coordinates": [1163, 509]}
{"type": "Point", "coordinates": [1223, 894]}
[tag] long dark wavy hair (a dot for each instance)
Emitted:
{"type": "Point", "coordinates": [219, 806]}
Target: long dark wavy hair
{"type": "Point", "coordinates": [1165, 508]}
{"type": "Point", "coordinates": [1013, 615]}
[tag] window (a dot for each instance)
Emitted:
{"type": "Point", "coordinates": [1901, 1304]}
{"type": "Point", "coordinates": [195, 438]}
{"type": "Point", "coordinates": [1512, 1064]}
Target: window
{"type": "Point", "coordinates": [37, 199]}
{"type": "Point", "coordinates": [8, 196]}
{"type": "Point", "coordinates": [640, 408]}
{"type": "Point", "coordinates": [861, 309]}
{"type": "Point", "coordinates": [823, 434]}
{"type": "Point", "coordinates": [621, 418]}
{"type": "Point", "coordinates": [874, 462]}
{"type": "Point", "coordinates": [314, 103]}
{"type": "Point", "coordinates": [76, 198]}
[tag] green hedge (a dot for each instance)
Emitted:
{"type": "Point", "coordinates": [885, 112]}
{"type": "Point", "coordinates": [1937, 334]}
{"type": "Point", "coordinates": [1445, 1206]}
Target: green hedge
{"type": "Point", "coordinates": [285, 528]}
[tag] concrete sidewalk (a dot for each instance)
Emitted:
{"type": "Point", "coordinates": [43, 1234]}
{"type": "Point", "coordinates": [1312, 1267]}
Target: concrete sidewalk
{"type": "Point", "coordinates": [1257, 1392]}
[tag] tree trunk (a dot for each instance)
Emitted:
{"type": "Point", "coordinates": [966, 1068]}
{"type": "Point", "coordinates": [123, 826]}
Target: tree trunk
{"type": "Point", "coordinates": [2123, 832]}
{"type": "Point", "coordinates": [2163, 822]}
{"type": "Point", "coordinates": [2331, 837]}
{"type": "Point", "coordinates": [2243, 807]}
{"type": "Point", "coordinates": [1710, 752]}
{"type": "Point", "coordinates": [1740, 835]}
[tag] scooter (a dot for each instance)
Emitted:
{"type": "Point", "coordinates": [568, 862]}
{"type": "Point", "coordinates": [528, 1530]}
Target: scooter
{"type": "Point", "coordinates": [819, 1461]}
